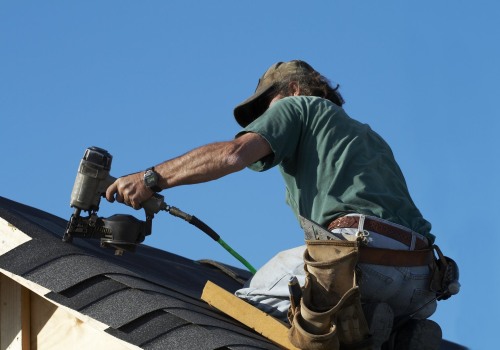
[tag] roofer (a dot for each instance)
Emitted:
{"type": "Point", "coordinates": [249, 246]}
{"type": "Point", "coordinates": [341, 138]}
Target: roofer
{"type": "Point", "coordinates": [342, 175]}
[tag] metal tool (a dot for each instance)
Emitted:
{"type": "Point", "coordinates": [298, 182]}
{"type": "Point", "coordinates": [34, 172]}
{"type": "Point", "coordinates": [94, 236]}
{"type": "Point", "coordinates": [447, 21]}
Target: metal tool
{"type": "Point", "coordinates": [120, 232]}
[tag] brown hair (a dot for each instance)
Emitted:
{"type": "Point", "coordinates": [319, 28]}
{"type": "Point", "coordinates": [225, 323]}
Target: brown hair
{"type": "Point", "coordinates": [311, 83]}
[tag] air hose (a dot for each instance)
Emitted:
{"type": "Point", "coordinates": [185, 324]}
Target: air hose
{"type": "Point", "coordinates": [193, 220]}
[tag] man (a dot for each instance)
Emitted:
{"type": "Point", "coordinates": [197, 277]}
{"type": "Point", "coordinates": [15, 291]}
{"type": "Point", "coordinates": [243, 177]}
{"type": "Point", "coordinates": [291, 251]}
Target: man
{"type": "Point", "coordinates": [339, 174]}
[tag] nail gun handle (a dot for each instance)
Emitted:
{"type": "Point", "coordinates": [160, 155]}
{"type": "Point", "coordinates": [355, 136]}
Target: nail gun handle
{"type": "Point", "coordinates": [151, 206]}
{"type": "Point", "coordinates": [105, 184]}
{"type": "Point", "coordinates": [154, 204]}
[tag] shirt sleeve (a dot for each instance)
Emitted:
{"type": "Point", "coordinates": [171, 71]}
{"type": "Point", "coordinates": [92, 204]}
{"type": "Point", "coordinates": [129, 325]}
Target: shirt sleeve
{"type": "Point", "coordinates": [281, 127]}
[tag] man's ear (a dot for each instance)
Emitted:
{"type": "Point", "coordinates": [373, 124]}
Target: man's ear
{"type": "Point", "coordinates": [294, 88]}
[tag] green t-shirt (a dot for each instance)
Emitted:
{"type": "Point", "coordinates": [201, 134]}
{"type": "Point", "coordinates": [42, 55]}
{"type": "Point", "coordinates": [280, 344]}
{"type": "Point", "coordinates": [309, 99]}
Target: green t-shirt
{"type": "Point", "coordinates": [333, 165]}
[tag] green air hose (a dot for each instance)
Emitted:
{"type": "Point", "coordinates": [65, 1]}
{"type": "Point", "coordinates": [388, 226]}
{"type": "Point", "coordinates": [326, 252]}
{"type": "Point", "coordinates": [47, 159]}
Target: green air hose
{"type": "Point", "coordinates": [193, 220]}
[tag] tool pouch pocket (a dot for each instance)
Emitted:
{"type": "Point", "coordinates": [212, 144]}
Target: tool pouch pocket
{"type": "Point", "coordinates": [445, 274]}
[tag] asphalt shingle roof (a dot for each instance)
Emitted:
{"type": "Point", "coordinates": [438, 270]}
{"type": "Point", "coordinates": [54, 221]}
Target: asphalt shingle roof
{"type": "Point", "coordinates": [150, 298]}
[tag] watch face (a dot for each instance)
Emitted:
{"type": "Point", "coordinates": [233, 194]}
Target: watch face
{"type": "Point", "coordinates": [150, 178]}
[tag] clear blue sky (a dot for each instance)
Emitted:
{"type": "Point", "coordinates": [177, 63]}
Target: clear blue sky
{"type": "Point", "coordinates": [151, 80]}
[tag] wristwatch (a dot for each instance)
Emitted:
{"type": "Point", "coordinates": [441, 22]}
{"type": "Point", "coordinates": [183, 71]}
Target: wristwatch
{"type": "Point", "coordinates": [151, 179]}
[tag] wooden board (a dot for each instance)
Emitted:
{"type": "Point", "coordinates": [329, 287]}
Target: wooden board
{"type": "Point", "coordinates": [10, 236]}
{"type": "Point", "coordinates": [54, 328]}
{"type": "Point", "coordinates": [262, 323]}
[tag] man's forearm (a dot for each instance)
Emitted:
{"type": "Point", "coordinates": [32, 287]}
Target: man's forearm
{"type": "Point", "coordinates": [212, 161]}
{"type": "Point", "coordinates": [202, 164]}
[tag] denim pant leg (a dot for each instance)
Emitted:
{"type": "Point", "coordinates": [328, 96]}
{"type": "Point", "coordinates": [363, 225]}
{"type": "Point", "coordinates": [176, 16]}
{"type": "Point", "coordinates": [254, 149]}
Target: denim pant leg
{"type": "Point", "coordinates": [405, 289]}
{"type": "Point", "coordinates": [268, 288]}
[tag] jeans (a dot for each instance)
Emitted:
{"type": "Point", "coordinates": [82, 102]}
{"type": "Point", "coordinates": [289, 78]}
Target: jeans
{"type": "Point", "coordinates": [405, 289]}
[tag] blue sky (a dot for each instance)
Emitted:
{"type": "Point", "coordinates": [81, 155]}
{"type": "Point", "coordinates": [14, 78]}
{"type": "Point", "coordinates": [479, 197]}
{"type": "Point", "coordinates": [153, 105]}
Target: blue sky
{"type": "Point", "coordinates": [151, 80]}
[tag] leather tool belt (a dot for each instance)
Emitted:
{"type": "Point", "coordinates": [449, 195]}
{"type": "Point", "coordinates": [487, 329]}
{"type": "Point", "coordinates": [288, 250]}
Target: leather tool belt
{"type": "Point", "coordinates": [422, 255]}
{"type": "Point", "coordinates": [399, 234]}
{"type": "Point", "coordinates": [392, 257]}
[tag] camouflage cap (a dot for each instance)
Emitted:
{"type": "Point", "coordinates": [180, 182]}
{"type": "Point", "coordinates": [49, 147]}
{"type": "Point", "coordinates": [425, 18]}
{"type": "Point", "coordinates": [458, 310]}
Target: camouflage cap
{"type": "Point", "coordinates": [248, 110]}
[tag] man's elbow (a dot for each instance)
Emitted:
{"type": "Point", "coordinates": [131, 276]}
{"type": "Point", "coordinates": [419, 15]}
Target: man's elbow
{"type": "Point", "coordinates": [236, 161]}
{"type": "Point", "coordinates": [246, 150]}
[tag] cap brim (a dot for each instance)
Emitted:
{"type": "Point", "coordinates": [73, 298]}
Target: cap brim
{"type": "Point", "coordinates": [247, 111]}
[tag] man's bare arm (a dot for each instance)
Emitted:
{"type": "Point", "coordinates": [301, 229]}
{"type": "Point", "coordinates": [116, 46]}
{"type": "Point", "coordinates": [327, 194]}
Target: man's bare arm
{"type": "Point", "coordinates": [202, 164]}
{"type": "Point", "coordinates": [213, 161]}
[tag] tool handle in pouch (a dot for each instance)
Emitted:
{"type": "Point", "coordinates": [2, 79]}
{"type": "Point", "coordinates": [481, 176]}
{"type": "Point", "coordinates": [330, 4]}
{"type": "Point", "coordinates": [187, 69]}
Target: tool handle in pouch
{"type": "Point", "coordinates": [295, 292]}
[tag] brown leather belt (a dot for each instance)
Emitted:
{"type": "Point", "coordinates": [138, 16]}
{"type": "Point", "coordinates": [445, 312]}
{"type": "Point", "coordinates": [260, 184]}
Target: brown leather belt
{"type": "Point", "coordinates": [394, 232]}
{"type": "Point", "coordinates": [392, 257]}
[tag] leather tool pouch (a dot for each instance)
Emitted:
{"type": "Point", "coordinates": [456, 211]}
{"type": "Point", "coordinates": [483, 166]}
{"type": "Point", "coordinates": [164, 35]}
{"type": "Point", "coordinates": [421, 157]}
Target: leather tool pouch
{"type": "Point", "coordinates": [445, 274]}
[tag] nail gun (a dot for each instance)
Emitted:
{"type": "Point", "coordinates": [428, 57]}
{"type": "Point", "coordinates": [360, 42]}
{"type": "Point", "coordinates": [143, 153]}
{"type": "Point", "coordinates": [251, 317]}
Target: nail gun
{"type": "Point", "coordinates": [120, 232]}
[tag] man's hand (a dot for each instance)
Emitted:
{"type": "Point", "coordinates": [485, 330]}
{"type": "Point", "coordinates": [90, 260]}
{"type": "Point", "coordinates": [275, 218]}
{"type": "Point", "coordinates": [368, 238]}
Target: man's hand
{"type": "Point", "coordinates": [129, 190]}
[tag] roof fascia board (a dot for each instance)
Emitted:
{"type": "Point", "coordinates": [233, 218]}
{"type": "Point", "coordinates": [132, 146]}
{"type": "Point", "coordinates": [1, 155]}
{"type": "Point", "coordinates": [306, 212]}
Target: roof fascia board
{"type": "Point", "coordinates": [10, 236]}
{"type": "Point", "coordinates": [56, 329]}
{"type": "Point", "coordinates": [67, 319]}
{"type": "Point", "coordinates": [42, 291]}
